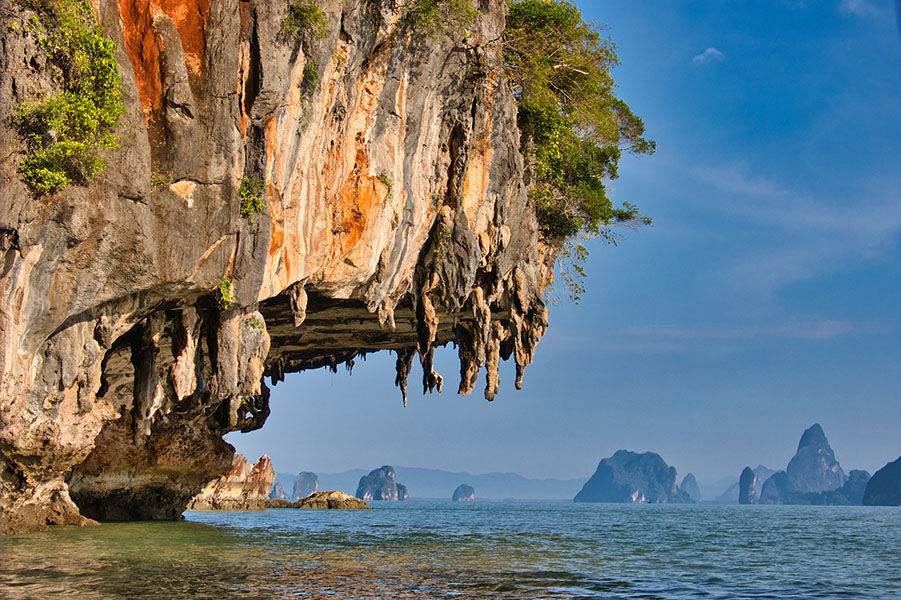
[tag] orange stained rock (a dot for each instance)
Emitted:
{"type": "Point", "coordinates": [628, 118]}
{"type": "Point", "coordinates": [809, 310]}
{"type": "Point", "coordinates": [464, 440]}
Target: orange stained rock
{"type": "Point", "coordinates": [355, 201]}
{"type": "Point", "coordinates": [145, 48]}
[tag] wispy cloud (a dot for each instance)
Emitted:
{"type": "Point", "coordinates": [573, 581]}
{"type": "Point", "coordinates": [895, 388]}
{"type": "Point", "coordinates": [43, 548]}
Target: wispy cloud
{"type": "Point", "coordinates": [859, 8]}
{"type": "Point", "coordinates": [796, 330]}
{"type": "Point", "coordinates": [710, 55]}
{"type": "Point", "coordinates": [810, 236]}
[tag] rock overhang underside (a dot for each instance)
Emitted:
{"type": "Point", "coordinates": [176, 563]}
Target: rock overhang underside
{"type": "Point", "coordinates": [394, 217]}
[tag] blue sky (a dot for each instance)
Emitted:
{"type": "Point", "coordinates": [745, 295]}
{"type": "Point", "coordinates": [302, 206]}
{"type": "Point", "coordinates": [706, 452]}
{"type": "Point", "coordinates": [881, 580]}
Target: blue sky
{"type": "Point", "coordinates": [765, 297]}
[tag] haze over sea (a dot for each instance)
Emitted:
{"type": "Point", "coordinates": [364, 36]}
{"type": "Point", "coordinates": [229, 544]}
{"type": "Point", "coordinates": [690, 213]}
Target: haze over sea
{"type": "Point", "coordinates": [438, 549]}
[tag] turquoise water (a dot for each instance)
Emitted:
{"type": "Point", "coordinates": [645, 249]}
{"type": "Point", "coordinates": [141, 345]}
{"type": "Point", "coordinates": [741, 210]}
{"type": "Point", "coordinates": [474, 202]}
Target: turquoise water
{"type": "Point", "coordinates": [437, 549]}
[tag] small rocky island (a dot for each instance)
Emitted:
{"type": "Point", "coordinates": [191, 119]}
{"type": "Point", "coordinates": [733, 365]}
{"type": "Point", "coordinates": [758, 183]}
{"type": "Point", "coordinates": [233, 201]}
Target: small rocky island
{"type": "Point", "coordinates": [884, 489]}
{"type": "Point", "coordinates": [631, 477]}
{"type": "Point", "coordinates": [331, 500]}
{"type": "Point", "coordinates": [381, 484]}
{"type": "Point", "coordinates": [464, 493]}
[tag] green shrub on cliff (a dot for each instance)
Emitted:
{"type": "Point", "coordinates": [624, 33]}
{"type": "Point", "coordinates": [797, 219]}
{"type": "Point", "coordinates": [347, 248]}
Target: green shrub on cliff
{"type": "Point", "coordinates": [303, 17]}
{"type": "Point", "coordinates": [441, 15]}
{"type": "Point", "coordinates": [574, 127]}
{"type": "Point", "coordinates": [225, 296]}
{"type": "Point", "coordinates": [251, 192]}
{"type": "Point", "coordinates": [65, 133]}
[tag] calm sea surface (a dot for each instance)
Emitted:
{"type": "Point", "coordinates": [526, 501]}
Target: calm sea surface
{"type": "Point", "coordinates": [437, 549]}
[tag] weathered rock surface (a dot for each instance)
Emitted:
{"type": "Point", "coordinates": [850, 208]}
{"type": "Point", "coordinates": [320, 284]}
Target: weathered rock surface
{"type": "Point", "coordinates": [747, 487]}
{"type": "Point", "coordinates": [331, 500]}
{"type": "Point", "coordinates": [631, 477]}
{"type": "Point", "coordinates": [278, 492]}
{"type": "Point", "coordinates": [242, 488]}
{"type": "Point", "coordinates": [814, 468]}
{"type": "Point", "coordinates": [305, 484]}
{"type": "Point", "coordinates": [395, 218]}
{"type": "Point", "coordinates": [381, 484]}
{"type": "Point", "coordinates": [464, 493]}
{"type": "Point", "coordinates": [884, 488]}
{"type": "Point", "coordinates": [690, 486]}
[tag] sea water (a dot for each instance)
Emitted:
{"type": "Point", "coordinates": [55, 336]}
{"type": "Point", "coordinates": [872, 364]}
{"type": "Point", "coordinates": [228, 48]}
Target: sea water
{"type": "Point", "coordinates": [438, 549]}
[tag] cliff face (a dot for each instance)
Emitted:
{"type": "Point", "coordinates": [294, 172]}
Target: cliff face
{"type": "Point", "coordinates": [814, 468]}
{"type": "Point", "coordinates": [244, 487]}
{"type": "Point", "coordinates": [394, 217]}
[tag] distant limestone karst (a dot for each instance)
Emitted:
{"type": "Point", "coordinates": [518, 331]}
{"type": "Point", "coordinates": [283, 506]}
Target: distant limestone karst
{"type": "Point", "coordinates": [730, 496]}
{"type": "Point", "coordinates": [814, 468]}
{"type": "Point", "coordinates": [631, 477]}
{"type": "Point", "coordinates": [464, 493]}
{"type": "Point", "coordinates": [884, 488]}
{"type": "Point", "coordinates": [690, 486]}
{"type": "Point", "coordinates": [747, 487]}
{"type": "Point", "coordinates": [381, 484]}
{"type": "Point", "coordinates": [278, 492]}
{"type": "Point", "coordinates": [814, 476]}
{"type": "Point", "coordinates": [305, 484]}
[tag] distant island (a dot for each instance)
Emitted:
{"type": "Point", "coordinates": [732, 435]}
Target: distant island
{"type": "Point", "coordinates": [464, 493]}
{"type": "Point", "coordinates": [630, 477]}
{"type": "Point", "coordinates": [813, 476]}
{"type": "Point", "coordinates": [381, 484]}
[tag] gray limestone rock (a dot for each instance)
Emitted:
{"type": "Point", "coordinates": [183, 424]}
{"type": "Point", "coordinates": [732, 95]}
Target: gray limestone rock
{"type": "Point", "coordinates": [747, 487]}
{"type": "Point", "coordinates": [381, 484]}
{"type": "Point", "coordinates": [630, 477]}
{"type": "Point", "coordinates": [394, 217]}
{"type": "Point", "coordinates": [814, 468]}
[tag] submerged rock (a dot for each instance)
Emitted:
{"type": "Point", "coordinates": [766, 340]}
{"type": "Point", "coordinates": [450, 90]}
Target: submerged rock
{"type": "Point", "coordinates": [464, 493]}
{"type": "Point", "coordinates": [331, 500]}
{"type": "Point", "coordinates": [630, 477]}
{"type": "Point", "coordinates": [305, 484]}
{"type": "Point", "coordinates": [884, 488]}
{"type": "Point", "coordinates": [747, 487]}
{"type": "Point", "coordinates": [690, 486]}
{"type": "Point", "coordinates": [242, 488]}
{"type": "Point", "coordinates": [381, 484]}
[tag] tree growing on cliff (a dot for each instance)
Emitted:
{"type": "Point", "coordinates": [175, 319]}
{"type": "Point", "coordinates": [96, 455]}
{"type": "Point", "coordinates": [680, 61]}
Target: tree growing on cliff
{"type": "Point", "coordinates": [575, 129]}
{"type": "Point", "coordinates": [65, 133]}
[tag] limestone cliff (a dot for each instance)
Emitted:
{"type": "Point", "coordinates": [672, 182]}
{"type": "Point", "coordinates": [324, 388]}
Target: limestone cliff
{"type": "Point", "coordinates": [244, 487]}
{"type": "Point", "coordinates": [140, 309]}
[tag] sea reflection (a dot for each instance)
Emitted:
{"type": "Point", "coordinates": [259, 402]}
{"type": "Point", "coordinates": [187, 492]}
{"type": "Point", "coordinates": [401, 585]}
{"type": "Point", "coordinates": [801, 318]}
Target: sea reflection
{"type": "Point", "coordinates": [437, 550]}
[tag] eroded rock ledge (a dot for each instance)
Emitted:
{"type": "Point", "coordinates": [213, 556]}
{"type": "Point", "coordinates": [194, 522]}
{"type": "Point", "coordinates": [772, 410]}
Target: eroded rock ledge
{"type": "Point", "coordinates": [396, 218]}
